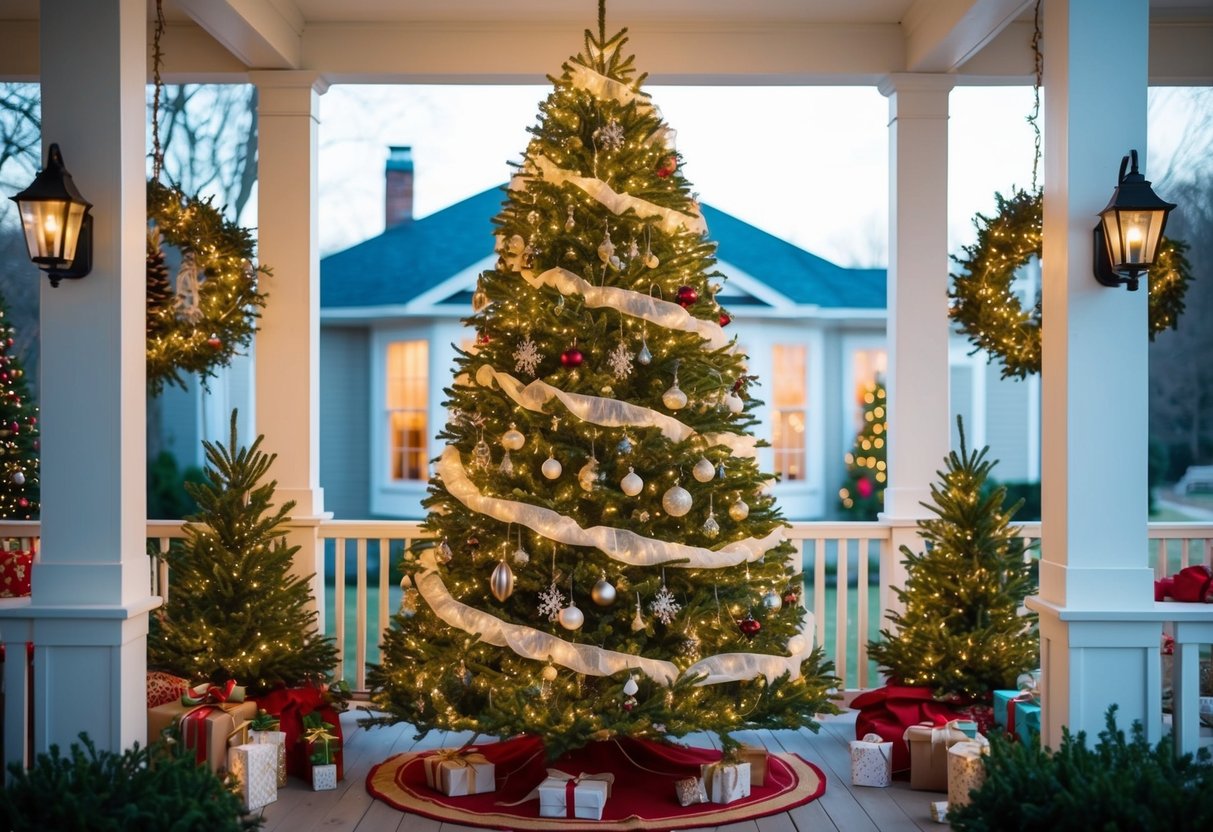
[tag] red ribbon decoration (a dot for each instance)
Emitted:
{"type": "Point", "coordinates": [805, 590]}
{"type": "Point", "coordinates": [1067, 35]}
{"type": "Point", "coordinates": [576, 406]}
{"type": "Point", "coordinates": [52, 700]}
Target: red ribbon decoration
{"type": "Point", "coordinates": [570, 803]}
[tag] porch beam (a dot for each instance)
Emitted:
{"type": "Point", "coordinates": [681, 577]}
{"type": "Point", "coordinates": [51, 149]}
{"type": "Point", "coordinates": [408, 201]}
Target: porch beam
{"type": "Point", "coordinates": [1094, 569]}
{"type": "Point", "coordinates": [261, 34]}
{"type": "Point", "coordinates": [941, 35]}
{"type": "Point", "coordinates": [917, 388]}
{"type": "Point", "coordinates": [287, 351]}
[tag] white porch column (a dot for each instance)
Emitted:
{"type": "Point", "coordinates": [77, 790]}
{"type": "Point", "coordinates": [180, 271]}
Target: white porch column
{"type": "Point", "coordinates": [917, 307]}
{"type": "Point", "coordinates": [288, 344]}
{"type": "Point", "coordinates": [91, 592]}
{"type": "Point", "coordinates": [1099, 645]}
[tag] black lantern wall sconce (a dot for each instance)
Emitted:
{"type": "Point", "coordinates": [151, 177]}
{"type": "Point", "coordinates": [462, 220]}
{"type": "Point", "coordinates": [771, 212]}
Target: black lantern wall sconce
{"type": "Point", "coordinates": [56, 220]}
{"type": "Point", "coordinates": [1129, 230]}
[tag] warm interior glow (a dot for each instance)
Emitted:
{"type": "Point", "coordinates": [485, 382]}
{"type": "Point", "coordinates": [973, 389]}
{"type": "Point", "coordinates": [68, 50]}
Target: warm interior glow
{"type": "Point", "coordinates": [407, 388]}
{"type": "Point", "coordinates": [789, 399]}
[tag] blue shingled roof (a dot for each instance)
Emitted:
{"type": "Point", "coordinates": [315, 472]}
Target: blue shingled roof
{"type": "Point", "coordinates": [405, 261]}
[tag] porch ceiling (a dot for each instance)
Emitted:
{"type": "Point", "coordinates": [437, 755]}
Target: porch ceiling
{"type": "Point", "coordinates": [679, 41]}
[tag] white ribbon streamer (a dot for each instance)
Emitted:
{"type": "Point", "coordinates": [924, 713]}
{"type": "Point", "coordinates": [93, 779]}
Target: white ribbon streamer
{"type": "Point", "coordinates": [596, 661]}
{"type": "Point", "coordinates": [655, 311]}
{"type": "Point", "coordinates": [670, 220]}
{"type": "Point", "coordinates": [621, 545]}
{"type": "Point", "coordinates": [607, 89]}
{"type": "Point", "coordinates": [609, 413]}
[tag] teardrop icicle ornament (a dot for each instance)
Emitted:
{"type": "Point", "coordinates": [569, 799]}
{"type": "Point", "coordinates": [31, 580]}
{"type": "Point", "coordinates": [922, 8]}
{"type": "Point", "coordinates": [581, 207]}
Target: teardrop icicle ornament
{"type": "Point", "coordinates": [638, 623]}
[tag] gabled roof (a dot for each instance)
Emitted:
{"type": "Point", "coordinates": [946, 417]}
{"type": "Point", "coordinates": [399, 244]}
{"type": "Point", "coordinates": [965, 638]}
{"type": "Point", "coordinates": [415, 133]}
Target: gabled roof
{"type": "Point", "coordinates": [410, 259]}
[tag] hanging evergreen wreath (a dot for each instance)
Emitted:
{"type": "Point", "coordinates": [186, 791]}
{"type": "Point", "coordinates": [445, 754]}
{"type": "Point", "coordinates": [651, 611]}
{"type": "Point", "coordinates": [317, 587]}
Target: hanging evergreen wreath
{"type": "Point", "coordinates": [995, 320]}
{"type": "Point", "coordinates": [211, 313]}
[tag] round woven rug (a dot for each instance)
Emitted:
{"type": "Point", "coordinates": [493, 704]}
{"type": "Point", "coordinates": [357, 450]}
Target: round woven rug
{"type": "Point", "coordinates": [642, 797]}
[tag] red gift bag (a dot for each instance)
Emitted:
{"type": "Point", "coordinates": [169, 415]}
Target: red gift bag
{"type": "Point", "coordinates": [890, 710]}
{"type": "Point", "coordinates": [290, 706]}
{"type": "Point", "coordinates": [15, 567]}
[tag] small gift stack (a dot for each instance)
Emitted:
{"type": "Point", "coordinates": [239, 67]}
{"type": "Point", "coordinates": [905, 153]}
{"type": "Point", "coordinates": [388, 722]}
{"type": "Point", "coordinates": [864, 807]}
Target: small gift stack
{"type": "Point", "coordinates": [929, 743]}
{"type": "Point", "coordinates": [459, 771]}
{"type": "Point", "coordinates": [322, 751]}
{"type": "Point", "coordinates": [15, 567]}
{"type": "Point", "coordinates": [290, 706]}
{"type": "Point", "coordinates": [205, 716]}
{"type": "Point", "coordinates": [726, 781]}
{"type": "Point", "coordinates": [966, 769]}
{"type": "Point", "coordinates": [871, 761]}
{"type": "Point", "coordinates": [263, 730]}
{"type": "Point", "coordinates": [1018, 713]}
{"type": "Point", "coordinates": [562, 795]}
{"type": "Point", "coordinates": [254, 767]}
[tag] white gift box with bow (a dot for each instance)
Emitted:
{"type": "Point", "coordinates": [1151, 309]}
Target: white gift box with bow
{"type": "Point", "coordinates": [871, 761]}
{"type": "Point", "coordinates": [587, 793]}
{"type": "Point", "coordinates": [726, 782]}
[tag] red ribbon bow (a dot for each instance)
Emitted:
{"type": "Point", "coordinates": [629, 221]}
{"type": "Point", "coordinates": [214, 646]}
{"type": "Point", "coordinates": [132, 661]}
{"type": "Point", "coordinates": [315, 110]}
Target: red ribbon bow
{"type": "Point", "coordinates": [213, 695]}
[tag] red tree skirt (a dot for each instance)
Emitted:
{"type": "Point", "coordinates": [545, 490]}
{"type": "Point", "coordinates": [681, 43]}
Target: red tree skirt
{"type": "Point", "coordinates": [643, 796]}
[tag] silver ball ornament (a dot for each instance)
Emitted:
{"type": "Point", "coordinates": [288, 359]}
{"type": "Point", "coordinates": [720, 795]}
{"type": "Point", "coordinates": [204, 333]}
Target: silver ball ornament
{"type": "Point", "coordinates": [548, 673]}
{"type": "Point", "coordinates": [512, 439]}
{"type": "Point", "coordinates": [571, 618]}
{"type": "Point", "coordinates": [772, 601]}
{"type": "Point", "coordinates": [674, 398]}
{"type": "Point", "coordinates": [739, 511]}
{"type": "Point", "coordinates": [704, 470]}
{"type": "Point", "coordinates": [631, 484]}
{"type": "Point", "coordinates": [734, 403]}
{"type": "Point", "coordinates": [551, 468]}
{"type": "Point", "coordinates": [18, 478]}
{"type": "Point", "coordinates": [603, 592]}
{"type": "Point", "coordinates": [501, 582]}
{"type": "Point", "coordinates": [676, 501]}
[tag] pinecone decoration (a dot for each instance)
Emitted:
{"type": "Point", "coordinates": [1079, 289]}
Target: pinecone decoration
{"type": "Point", "coordinates": [160, 295]}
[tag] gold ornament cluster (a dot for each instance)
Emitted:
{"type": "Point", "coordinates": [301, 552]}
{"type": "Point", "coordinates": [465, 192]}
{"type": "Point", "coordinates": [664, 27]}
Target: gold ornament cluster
{"type": "Point", "coordinates": [212, 315]}
{"type": "Point", "coordinates": [987, 310]}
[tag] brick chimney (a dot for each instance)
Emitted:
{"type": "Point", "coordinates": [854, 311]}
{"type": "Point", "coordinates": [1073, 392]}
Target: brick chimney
{"type": "Point", "coordinates": [398, 195]}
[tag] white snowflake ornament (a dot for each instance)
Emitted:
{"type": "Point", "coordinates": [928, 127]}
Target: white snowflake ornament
{"type": "Point", "coordinates": [663, 605]}
{"type": "Point", "coordinates": [620, 361]}
{"type": "Point", "coordinates": [611, 136]}
{"type": "Point", "coordinates": [527, 357]}
{"type": "Point", "coordinates": [551, 602]}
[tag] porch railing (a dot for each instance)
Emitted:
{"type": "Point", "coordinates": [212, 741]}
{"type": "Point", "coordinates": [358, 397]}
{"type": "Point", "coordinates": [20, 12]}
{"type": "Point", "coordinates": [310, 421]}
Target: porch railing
{"type": "Point", "coordinates": [841, 565]}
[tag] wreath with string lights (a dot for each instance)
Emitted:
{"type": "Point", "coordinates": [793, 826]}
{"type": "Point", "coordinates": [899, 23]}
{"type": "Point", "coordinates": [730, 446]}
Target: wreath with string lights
{"type": "Point", "coordinates": [992, 316]}
{"type": "Point", "coordinates": [211, 313]}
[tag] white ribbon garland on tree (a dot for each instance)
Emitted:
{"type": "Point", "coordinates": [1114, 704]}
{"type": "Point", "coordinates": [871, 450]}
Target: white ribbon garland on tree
{"type": "Point", "coordinates": [596, 661]}
{"type": "Point", "coordinates": [669, 220]}
{"type": "Point", "coordinates": [609, 413]}
{"type": "Point", "coordinates": [608, 89]}
{"type": "Point", "coordinates": [621, 545]}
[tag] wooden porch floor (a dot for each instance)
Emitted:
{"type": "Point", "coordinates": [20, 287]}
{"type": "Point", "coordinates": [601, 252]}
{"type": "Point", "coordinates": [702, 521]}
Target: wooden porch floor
{"type": "Point", "coordinates": [842, 807]}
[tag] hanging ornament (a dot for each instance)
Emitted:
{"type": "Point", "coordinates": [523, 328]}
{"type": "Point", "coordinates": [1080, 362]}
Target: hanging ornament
{"type": "Point", "coordinates": [548, 674]}
{"type": "Point", "coordinates": [551, 601]}
{"type": "Point", "coordinates": [651, 260]}
{"type": "Point", "coordinates": [676, 501]}
{"type": "Point", "coordinates": [674, 398]}
{"type": "Point", "coordinates": [527, 357]}
{"type": "Point", "coordinates": [631, 484]}
{"type": "Point", "coordinates": [588, 475]}
{"type": "Point", "coordinates": [507, 465]}
{"type": "Point", "coordinates": [630, 687]}
{"type": "Point", "coordinates": [473, 543]}
{"type": "Point", "coordinates": [482, 457]}
{"type": "Point", "coordinates": [644, 356]}
{"type": "Point", "coordinates": [638, 619]}
{"type": "Point", "coordinates": [408, 602]}
{"type": "Point", "coordinates": [663, 605]}
{"type": "Point", "coordinates": [570, 223]}
{"type": "Point", "coordinates": [18, 478]}
{"type": "Point", "coordinates": [603, 593]}
{"type": "Point", "coordinates": [772, 601]}
{"type": "Point", "coordinates": [521, 556]}
{"type": "Point", "coordinates": [620, 360]}
{"type": "Point", "coordinates": [665, 167]}
{"type": "Point", "coordinates": [720, 472]}
{"type": "Point", "coordinates": [214, 342]}
{"type": "Point", "coordinates": [551, 467]}
{"type": "Point", "coordinates": [480, 299]}
{"type": "Point", "coordinates": [625, 445]}
{"type": "Point", "coordinates": [444, 553]}
{"type": "Point", "coordinates": [572, 357]}
{"type": "Point", "coordinates": [611, 136]}
{"type": "Point", "coordinates": [704, 470]}
{"type": "Point", "coordinates": [571, 618]}
{"type": "Point", "coordinates": [686, 296]}
{"type": "Point", "coordinates": [749, 626]}
{"type": "Point", "coordinates": [690, 647]}
{"type": "Point", "coordinates": [710, 527]}
{"type": "Point", "coordinates": [725, 318]}
{"type": "Point", "coordinates": [512, 439]}
{"type": "Point", "coordinates": [606, 249]}
{"type": "Point", "coordinates": [734, 403]}
{"type": "Point", "coordinates": [501, 582]}
{"type": "Point", "coordinates": [790, 598]}
{"type": "Point", "coordinates": [739, 511]}
{"type": "Point", "coordinates": [633, 249]}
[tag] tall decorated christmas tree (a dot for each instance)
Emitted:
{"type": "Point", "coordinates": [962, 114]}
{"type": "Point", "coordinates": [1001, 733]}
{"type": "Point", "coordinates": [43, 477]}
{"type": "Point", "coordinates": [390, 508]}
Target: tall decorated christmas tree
{"type": "Point", "coordinates": [234, 609]}
{"type": "Point", "coordinates": [862, 494]}
{"type": "Point", "coordinates": [606, 559]}
{"type": "Point", "coordinates": [18, 432]}
{"type": "Point", "coordinates": [962, 632]}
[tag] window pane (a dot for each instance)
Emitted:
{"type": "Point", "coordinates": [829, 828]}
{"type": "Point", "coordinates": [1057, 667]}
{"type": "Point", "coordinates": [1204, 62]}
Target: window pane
{"type": "Point", "coordinates": [407, 393]}
{"type": "Point", "coordinates": [789, 369]}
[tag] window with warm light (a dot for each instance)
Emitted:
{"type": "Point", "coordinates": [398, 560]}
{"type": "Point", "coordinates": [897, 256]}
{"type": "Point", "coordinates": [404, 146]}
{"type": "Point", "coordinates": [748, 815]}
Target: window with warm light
{"type": "Point", "coordinates": [789, 404]}
{"type": "Point", "coordinates": [867, 367]}
{"type": "Point", "coordinates": [407, 402]}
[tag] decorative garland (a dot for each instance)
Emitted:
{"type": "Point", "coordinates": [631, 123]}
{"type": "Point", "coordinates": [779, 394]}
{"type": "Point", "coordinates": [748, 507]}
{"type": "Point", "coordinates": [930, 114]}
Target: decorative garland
{"type": "Point", "coordinates": [993, 318]}
{"type": "Point", "coordinates": [211, 314]}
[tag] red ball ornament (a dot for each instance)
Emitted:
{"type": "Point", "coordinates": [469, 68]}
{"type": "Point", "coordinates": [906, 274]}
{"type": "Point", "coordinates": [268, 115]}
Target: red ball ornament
{"type": "Point", "coordinates": [749, 626]}
{"type": "Point", "coordinates": [24, 503]}
{"type": "Point", "coordinates": [483, 338]}
{"type": "Point", "coordinates": [14, 427]}
{"type": "Point", "coordinates": [473, 543]}
{"type": "Point", "coordinates": [687, 296]}
{"type": "Point", "coordinates": [790, 599]}
{"type": "Point", "coordinates": [572, 357]}
{"type": "Point", "coordinates": [667, 166]}
{"type": "Point", "coordinates": [214, 341]}
{"type": "Point", "coordinates": [629, 704]}
{"type": "Point", "coordinates": [863, 486]}
{"type": "Point", "coordinates": [725, 319]}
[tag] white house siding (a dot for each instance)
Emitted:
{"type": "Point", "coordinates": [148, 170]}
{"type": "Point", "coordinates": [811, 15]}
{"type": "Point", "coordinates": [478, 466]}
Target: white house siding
{"type": "Point", "coordinates": [1007, 420]}
{"type": "Point", "coordinates": [345, 400]}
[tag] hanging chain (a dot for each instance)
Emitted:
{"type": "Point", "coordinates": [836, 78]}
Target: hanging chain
{"type": "Point", "coordinates": [157, 63]}
{"type": "Point", "coordinates": [1039, 66]}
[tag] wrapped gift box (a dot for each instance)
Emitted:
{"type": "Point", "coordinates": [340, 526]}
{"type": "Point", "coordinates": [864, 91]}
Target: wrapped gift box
{"type": "Point", "coordinates": [324, 777]}
{"type": "Point", "coordinates": [929, 755]}
{"type": "Point", "coordinates": [966, 770]}
{"type": "Point", "coordinates": [757, 758]}
{"type": "Point", "coordinates": [15, 567]}
{"type": "Point", "coordinates": [163, 688]}
{"type": "Point", "coordinates": [726, 782]}
{"type": "Point", "coordinates": [204, 728]}
{"type": "Point", "coordinates": [939, 811]}
{"type": "Point", "coordinates": [277, 739]}
{"type": "Point", "coordinates": [1027, 721]}
{"type": "Point", "coordinates": [290, 706]}
{"type": "Point", "coordinates": [255, 768]}
{"type": "Point", "coordinates": [564, 796]}
{"type": "Point", "coordinates": [871, 761]}
{"type": "Point", "coordinates": [690, 791]}
{"type": "Point", "coordinates": [456, 773]}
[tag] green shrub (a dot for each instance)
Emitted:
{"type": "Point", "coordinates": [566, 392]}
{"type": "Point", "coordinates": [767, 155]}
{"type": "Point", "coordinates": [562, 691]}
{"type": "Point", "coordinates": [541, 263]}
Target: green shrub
{"type": "Point", "coordinates": [136, 790]}
{"type": "Point", "coordinates": [1118, 785]}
